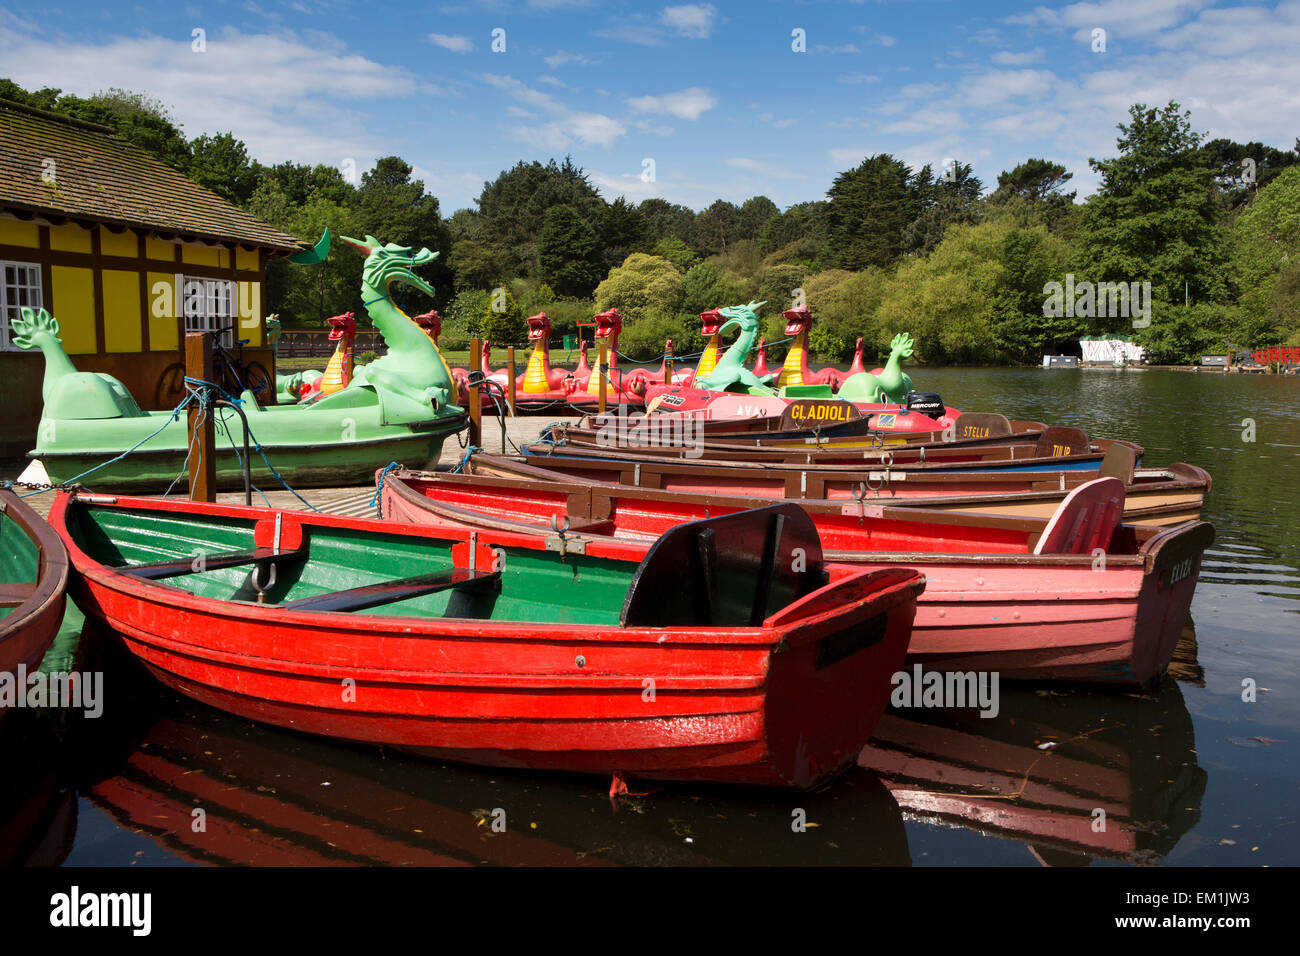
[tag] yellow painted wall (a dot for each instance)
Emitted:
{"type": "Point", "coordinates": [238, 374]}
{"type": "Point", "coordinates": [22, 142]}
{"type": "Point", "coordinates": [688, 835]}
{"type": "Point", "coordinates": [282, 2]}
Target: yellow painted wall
{"type": "Point", "coordinates": [162, 328]}
{"type": "Point", "coordinates": [119, 244]}
{"type": "Point", "coordinates": [69, 238]}
{"type": "Point", "coordinates": [158, 249]}
{"type": "Point", "coordinates": [201, 255]}
{"type": "Point", "coordinates": [74, 307]}
{"type": "Point", "coordinates": [248, 303]}
{"type": "Point", "coordinates": [14, 233]}
{"type": "Point", "coordinates": [246, 259]}
{"type": "Point", "coordinates": [122, 311]}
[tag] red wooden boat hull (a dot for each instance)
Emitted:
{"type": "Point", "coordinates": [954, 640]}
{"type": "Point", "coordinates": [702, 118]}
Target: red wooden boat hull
{"type": "Point", "coordinates": [989, 604]}
{"type": "Point", "coordinates": [726, 705]}
{"type": "Point", "coordinates": [27, 631]}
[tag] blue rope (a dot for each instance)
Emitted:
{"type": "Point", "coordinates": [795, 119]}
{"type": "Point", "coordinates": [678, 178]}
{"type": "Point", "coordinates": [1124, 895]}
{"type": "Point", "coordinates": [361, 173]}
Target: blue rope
{"type": "Point", "coordinates": [379, 486]}
{"type": "Point", "coordinates": [465, 458]}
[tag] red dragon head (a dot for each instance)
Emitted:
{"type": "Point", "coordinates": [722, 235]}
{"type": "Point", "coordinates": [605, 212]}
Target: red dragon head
{"type": "Point", "coordinates": [797, 320]}
{"type": "Point", "coordinates": [430, 322]}
{"type": "Point", "coordinates": [539, 327]}
{"type": "Point", "coordinates": [345, 326]}
{"type": "Point", "coordinates": [709, 322]}
{"type": "Point", "coordinates": [608, 323]}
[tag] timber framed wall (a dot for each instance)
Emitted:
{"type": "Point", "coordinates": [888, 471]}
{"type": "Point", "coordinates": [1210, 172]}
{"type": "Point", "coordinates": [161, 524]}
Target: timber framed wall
{"type": "Point", "coordinates": [113, 290]}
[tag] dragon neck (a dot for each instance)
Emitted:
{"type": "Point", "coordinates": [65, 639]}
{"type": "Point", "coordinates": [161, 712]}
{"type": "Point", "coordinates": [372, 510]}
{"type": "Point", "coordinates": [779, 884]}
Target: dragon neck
{"type": "Point", "coordinates": [795, 369]}
{"type": "Point", "coordinates": [399, 330]}
{"type": "Point", "coordinates": [708, 360]}
{"type": "Point", "coordinates": [537, 374]}
{"type": "Point", "coordinates": [891, 376]}
{"type": "Point", "coordinates": [57, 363]}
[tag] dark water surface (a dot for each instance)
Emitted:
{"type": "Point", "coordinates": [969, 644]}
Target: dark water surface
{"type": "Point", "coordinates": [1185, 773]}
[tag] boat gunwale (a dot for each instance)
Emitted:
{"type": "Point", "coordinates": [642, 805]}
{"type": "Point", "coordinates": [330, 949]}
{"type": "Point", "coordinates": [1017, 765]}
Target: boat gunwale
{"type": "Point", "coordinates": [52, 562]}
{"type": "Point", "coordinates": [414, 627]}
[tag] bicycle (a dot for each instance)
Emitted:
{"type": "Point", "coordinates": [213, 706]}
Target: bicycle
{"type": "Point", "coordinates": [230, 371]}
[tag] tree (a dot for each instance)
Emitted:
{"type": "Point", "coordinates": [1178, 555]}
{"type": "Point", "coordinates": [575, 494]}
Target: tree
{"type": "Point", "coordinates": [1034, 180]}
{"type": "Point", "coordinates": [566, 253]}
{"type": "Point", "coordinates": [1265, 248]}
{"type": "Point", "coordinates": [715, 227]}
{"type": "Point", "coordinates": [778, 286]}
{"type": "Point", "coordinates": [620, 231]}
{"type": "Point", "coordinates": [220, 163]}
{"type": "Point", "coordinates": [677, 252]}
{"type": "Point", "coordinates": [1241, 170]}
{"type": "Point", "coordinates": [706, 287]}
{"type": "Point", "coordinates": [951, 197]}
{"type": "Point", "coordinates": [870, 206]}
{"type": "Point", "coordinates": [476, 265]}
{"type": "Point", "coordinates": [753, 216]}
{"type": "Point", "coordinates": [503, 321]}
{"type": "Point", "coordinates": [665, 220]}
{"type": "Point", "coordinates": [642, 284]}
{"type": "Point", "coordinates": [1155, 217]}
{"type": "Point", "coordinates": [513, 207]}
{"type": "Point", "coordinates": [137, 118]}
{"type": "Point", "coordinates": [1029, 259]}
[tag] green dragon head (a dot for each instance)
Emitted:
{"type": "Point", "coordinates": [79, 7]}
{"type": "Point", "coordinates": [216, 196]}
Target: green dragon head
{"type": "Point", "coordinates": [388, 263]}
{"type": "Point", "coordinates": [901, 345]}
{"type": "Point", "coordinates": [745, 316]}
{"type": "Point", "coordinates": [30, 324]}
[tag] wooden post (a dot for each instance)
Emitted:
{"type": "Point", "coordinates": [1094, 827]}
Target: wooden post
{"type": "Point", "coordinates": [601, 359]}
{"type": "Point", "coordinates": [510, 381]}
{"type": "Point", "coordinates": [668, 362]}
{"type": "Point", "coordinates": [203, 446]}
{"type": "Point", "coordinates": [475, 405]}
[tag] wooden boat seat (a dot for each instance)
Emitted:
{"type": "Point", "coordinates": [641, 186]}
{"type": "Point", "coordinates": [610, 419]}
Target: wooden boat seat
{"type": "Point", "coordinates": [732, 571]}
{"type": "Point", "coordinates": [1086, 520]}
{"type": "Point", "coordinates": [14, 594]}
{"type": "Point", "coordinates": [386, 592]}
{"type": "Point", "coordinates": [1118, 462]}
{"type": "Point", "coordinates": [211, 562]}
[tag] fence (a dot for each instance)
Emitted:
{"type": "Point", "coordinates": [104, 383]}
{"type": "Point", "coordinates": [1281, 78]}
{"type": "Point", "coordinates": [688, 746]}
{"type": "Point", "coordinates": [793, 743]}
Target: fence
{"type": "Point", "coordinates": [316, 343]}
{"type": "Point", "coordinates": [1282, 354]}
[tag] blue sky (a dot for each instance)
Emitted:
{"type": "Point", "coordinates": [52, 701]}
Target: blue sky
{"type": "Point", "coordinates": [713, 93]}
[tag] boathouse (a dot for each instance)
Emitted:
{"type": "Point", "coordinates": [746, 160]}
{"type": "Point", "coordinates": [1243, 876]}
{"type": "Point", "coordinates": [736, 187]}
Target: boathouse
{"type": "Point", "coordinates": [127, 253]}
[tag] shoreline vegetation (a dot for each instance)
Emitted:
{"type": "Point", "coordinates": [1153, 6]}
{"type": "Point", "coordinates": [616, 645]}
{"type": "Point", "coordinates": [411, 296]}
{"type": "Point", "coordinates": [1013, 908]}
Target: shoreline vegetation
{"type": "Point", "coordinates": [1204, 232]}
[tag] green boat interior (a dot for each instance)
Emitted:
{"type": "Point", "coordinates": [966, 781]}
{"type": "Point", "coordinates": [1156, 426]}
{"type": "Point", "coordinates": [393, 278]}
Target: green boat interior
{"type": "Point", "coordinates": [727, 571]}
{"type": "Point", "coordinates": [19, 564]}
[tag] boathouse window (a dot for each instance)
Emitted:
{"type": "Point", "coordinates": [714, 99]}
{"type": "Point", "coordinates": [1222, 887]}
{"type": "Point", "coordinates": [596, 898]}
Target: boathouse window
{"type": "Point", "coordinates": [209, 306]}
{"type": "Point", "coordinates": [22, 287]}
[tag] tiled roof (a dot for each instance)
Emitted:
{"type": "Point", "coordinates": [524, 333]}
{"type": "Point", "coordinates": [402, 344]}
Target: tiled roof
{"type": "Point", "coordinates": [102, 178]}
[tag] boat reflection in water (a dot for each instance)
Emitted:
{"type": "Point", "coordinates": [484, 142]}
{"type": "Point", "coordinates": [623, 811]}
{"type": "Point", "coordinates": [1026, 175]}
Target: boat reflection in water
{"type": "Point", "coordinates": [38, 809]}
{"type": "Point", "coordinates": [271, 797]}
{"type": "Point", "coordinates": [1040, 770]}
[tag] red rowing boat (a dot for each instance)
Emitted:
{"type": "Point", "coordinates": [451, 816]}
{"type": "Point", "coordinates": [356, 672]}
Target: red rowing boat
{"type": "Point", "coordinates": [1077, 597]}
{"type": "Point", "coordinates": [33, 579]}
{"type": "Point", "coordinates": [725, 651]}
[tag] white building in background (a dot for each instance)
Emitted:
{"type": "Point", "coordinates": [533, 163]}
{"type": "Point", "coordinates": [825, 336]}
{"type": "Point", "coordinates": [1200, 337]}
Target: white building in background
{"type": "Point", "coordinates": [1110, 350]}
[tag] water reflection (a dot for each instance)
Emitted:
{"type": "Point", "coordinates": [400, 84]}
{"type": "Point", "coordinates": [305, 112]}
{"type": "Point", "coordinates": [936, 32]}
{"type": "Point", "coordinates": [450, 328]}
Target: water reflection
{"type": "Point", "coordinates": [1075, 775]}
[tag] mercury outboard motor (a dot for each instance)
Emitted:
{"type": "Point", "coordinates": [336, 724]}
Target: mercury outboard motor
{"type": "Point", "coordinates": [927, 403]}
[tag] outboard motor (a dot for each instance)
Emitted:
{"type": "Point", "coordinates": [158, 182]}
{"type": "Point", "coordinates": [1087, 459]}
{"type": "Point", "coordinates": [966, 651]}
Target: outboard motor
{"type": "Point", "coordinates": [926, 403]}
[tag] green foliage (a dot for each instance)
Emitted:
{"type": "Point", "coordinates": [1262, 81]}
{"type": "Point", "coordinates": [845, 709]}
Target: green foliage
{"type": "Point", "coordinates": [503, 320]}
{"type": "Point", "coordinates": [779, 287]}
{"type": "Point", "coordinates": [463, 317]}
{"type": "Point", "coordinates": [946, 300]}
{"type": "Point", "coordinates": [220, 163]}
{"type": "Point", "coordinates": [641, 285]}
{"type": "Point", "coordinates": [947, 199]}
{"type": "Point", "coordinates": [665, 220]}
{"type": "Point", "coordinates": [1266, 256]}
{"type": "Point", "coordinates": [677, 252]}
{"type": "Point", "coordinates": [1029, 259]}
{"type": "Point", "coordinates": [870, 207]}
{"type": "Point", "coordinates": [644, 338]}
{"type": "Point", "coordinates": [513, 207]}
{"type": "Point", "coordinates": [716, 227]}
{"type": "Point", "coordinates": [1180, 335]}
{"type": "Point", "coordinates": [1156, 215]}
{"type": "Point", "coordinates": [567, 257]}
{"type": "Point", "coordinates": [844, 306]}
{"type": "Point", "coordinates": [742, 258]}
{"type": "Point", "coordinates": [475, 265]}
{"type": "Point", "coordinates": [753, 216]}
{"type": "Point", "coordinates": [1241, 170]}
{"type": "Point", "coordinates": [706, 287]}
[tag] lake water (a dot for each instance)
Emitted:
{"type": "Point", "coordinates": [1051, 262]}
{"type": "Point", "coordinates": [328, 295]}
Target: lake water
{"type": "Point", "coordinates": [1184, 773]}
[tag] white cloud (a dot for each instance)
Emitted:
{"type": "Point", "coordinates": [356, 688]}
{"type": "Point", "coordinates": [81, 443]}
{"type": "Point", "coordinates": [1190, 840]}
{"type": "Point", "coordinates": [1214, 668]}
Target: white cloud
{"type": "Point", "coordinates": [884, 39]}
{"type": "Point", "coordinates": [1129, 18]}
{"type": "Point", "coordinates": [762, 168]}
{"type": "Point", "coordinates": [560, 57]}
{"type": "Point", "coordinates": [456, 44]}
{"type": "Point", "coordinates": [854, 78]}
{"type": "Point", "coordinates": [1007, 58]}
{"type": "Point", "coordinates": [694, 21]}
{"type": "Point", "coordinates": [842, 48]}
{"type": "Point", "coordinates": [686, 104]}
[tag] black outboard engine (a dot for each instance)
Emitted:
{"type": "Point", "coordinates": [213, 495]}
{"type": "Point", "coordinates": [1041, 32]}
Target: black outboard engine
{"type": "Point", "coordinates": [925, 403]}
